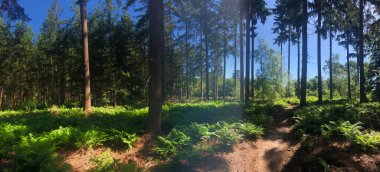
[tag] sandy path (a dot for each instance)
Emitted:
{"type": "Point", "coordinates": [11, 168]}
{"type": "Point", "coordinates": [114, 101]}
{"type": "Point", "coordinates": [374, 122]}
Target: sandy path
{"type": "Point", "coordinates": [269, 153]}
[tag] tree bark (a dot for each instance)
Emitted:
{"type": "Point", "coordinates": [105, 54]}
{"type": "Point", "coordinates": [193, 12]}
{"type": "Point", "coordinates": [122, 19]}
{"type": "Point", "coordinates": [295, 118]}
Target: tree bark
{"type": "Point", "coordinates": [331, 69]}
{"type": "Point", "coordinates": [207, 55]}
{"type": "Point", "coordinates": [201, 66]}
{"type": "Point", "coordinates": [298, 63]}
{"type": "Point", "coordinates": [363, 97]}
{"type": "Point", "coordinates": [253, 62]}
{"type": "Point", "coordinates": [156, 52]}
{"type": "Point", "coordinates": [216, 93]}
{"type": "Point", "coordinates": [289, 41]}
{"type": "Point", "coordinates": [348, 70]}
{"type": "Point", "coordinates": [1, 97]}
{"type": "Point", "coordinates": [247, 57]}
{"type": "Point", "coordinates": [319, 60]}
{"type": "Point", "coordinates": [224, 63]}
{"type": "Point", "coordinates": [235, 53]}
{"type": "Point", "coordinates": [241, 58]}
{"type": "Point", "coordinates": [304, 53]}
{"type": "Point", "coordinates": [86, 59]}
{"type": "Point", "coordinates": [63, 83]}
{"type": "Point", "coordinates": [187, 60]}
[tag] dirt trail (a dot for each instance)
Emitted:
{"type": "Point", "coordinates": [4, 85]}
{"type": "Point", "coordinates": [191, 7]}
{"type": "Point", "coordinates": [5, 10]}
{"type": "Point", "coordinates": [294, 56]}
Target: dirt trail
{"type": "Point", "coordinates": [270, 153]}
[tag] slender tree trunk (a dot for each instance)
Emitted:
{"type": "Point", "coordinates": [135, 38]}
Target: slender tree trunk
{"type": "Point", "coordinates": [224, 63]}
{"type": "Point", "coordinates": [247, 56]}
{"type": "Point", "coordinates": [216, 94]}
{"type": "Point", "coordinates": [201, 66]}
{"type": "Point", "coordinates": [330, 66]}
{"type": "Point", "coordinates": [1, 97]}
{"type": "Point", "coordinates": [156, 52]}
{"type": "Point", "coordinates": [86, 59]}
{"type": "Point", "coordinates": [298, 63]}
{"type": "Point", "coordinates": [304, 53]}
{"type": "Point", "coordinates": [319, 61]}
{"type": "Point", "coordinates": [348, 70]}
{"type": "Point", "coordinates": [63, 83]}
{"type": "Point", "coordinates": [241, 30]}
{"type": "Point", "coordinates": [207, 56]}
{"type": "Point", "coordinates": [289, 40]}
{"type": "Point", "coordinates": [187, 61]}
{"type": "Point", "coordinates": [282, 60]}
{"type": "Point", "coordinates": [235, 53]}
{"type": "Point", "coordinates": [363, 97]}
{"type": "Point", "coordinates": [253, 62]}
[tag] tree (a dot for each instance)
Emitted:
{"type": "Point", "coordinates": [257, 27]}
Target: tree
{"type": "Point", "coordinates": [156, 52]}
{"type": "Point", "coordinates": [86, 59]}
{"type": "Point", "coordinates": [12, 10]}
{"type": "Point", "coordinates": [304, 52]}
{"type": "Point", "coordinates": [362, 95]}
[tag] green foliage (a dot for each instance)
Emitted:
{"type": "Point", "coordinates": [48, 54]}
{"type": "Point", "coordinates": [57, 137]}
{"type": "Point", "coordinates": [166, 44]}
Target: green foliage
{"type": "Point", "coordinates": [344, 120]}
{"type": "Point", "coordinates": [37, 154]}
{"type": "Point", "coordinates": [172, 143]}
{"type": "Point", "coordinates": [104, 162]}
{"type": "Point", "coordinates": [250, 130]}
{"type": "Point", "coordinates": [122, 136]}
{"type": "Point", "coordinates": [9, 135]}
{"type": "Point", "coordinates": [191, 141]}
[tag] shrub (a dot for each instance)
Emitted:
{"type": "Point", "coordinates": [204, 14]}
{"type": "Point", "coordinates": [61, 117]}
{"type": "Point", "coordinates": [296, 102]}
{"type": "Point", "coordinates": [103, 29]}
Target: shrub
{"type": "Point", "coordinates": [92, 138]}
{"type": "Point", "coordinates": [104, 162]}
{"type": "Point", "coordinates": [226, 133]}
{"type": "Point", "coordinates": [170, 145]}
{"type": "Point", "coordinates": [9, 135]}
{"type": "Point", "coordinates": [37, 154]}
{"type": "Point", "coordinates": [250, 130]}
{"type": "Point", "coordinates": [124, 137]}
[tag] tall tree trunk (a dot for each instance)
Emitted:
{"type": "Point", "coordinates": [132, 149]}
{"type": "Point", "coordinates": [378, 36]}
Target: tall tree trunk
{"type": "Point", "coordinates": [1, 97]}
{"type": "Point", "coordinates": [207, 56]}
{"type": "Point", "coordinates": [187, 61]}
{"type": "Point", "coordinates": [241, 30]}
{"type": "Point", "coordinates": [319, 60]}
{"type": "Point", "coordinates": [289, 40]}
{"type": "Point", "coordinates": [63, 83]}
{"type": "Point", "coordinates": [247, 56]}
{"type": "Point", "coordinates": [216, 95]}
{"type": "Point", "coordinates": [304, 53]}
{"type": "Point", "coordinates": [253, 62]}
{"type": "Point", "coordinates": [282, 61]}
{"type": "Point", "coordinates": [224, 63]}
{"type": "Point", "coordinates": [201, 66]}
{"type": "Point", "coordinates": [86, 59]}
{"type": "Point", "coordinates": [363, 97]}
{"type": "Point", "coordinates": [330, 67]}
{"type": "Point", "coordinates": [156, 52]}
{"type": "Point", "coordinates": [235, 53]}
{"type": "Point", "coordinates": [348, 70]}
{"type": "Point", "coordinates": [298, 62]}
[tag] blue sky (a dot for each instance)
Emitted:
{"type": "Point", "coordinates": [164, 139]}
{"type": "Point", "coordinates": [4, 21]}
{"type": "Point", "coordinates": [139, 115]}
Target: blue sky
{"type": "Point", "coordinates": [37, 12]}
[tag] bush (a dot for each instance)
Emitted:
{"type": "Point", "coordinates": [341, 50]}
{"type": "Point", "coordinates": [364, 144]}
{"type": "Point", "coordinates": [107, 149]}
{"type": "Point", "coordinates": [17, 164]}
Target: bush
{"type": "Point", "coordinates": [122, 136]}
{"type": "Point", "coordinates": [37, 154]}
{"type": "Point", "coordinates": [226, 134]}
{"type": "Point", "coordinates": [104, 162]}
{"type": "Point", "coordinates": [9, 135]}
{"type": "Point", "coordinates": [251, 131]}
{"type": "Point", "coordinates": [175, 141]}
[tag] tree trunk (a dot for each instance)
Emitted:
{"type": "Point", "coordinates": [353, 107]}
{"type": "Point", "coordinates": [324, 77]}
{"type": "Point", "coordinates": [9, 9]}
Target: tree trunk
{"type": "Point", "coordinates": [319, 60]}
{"type": "Point", "coordinates": [282, 60]}
{"type": "Point", "coordinates": [1, 98]}
{"type": "Point", "coordinates": [201, 66]}
{"type": "Point", "coordinates": [363, 97]}
{"type": "Point", "coordinates": [241, 58]}
{"type": "Point", "coordinates": [304, 53]}
{"type": "Point", "coordinates": [63, 83]}
{"type": "Point", "coordinates": [156, 52]}
{"type": "Point", "coordinates": [289, 40]}
{"type": "Point", "coordinates": [187, 61]}
{"type": "Point", "coordinates": [235, 53]}
{"type": "Point", "coordinates": [253, 62]}
{"type": "Point", "coordinates": [330, 66]}
{"type": "Point", "coordinates": [224, 63]}
{"type": "Point", "coordinates": [86, 59]}
{"type": "Point", "coordinates": [348, 70]}
{"type": "Point", "coordinates": [216, 95]}
{"type": "Point", "coordinates": [207, 56]}
{"type": "Point", "coordinates": [247, 57]}
{"type": "Point", "coordinates": [298, 63]}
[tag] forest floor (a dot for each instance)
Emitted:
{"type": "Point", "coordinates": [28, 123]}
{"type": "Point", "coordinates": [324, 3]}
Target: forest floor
{"type": "Point", "coordinates": [270, 153]}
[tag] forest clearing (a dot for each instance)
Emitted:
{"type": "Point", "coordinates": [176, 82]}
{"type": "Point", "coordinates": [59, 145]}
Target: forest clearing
{"type": "Point", "coordinates": [190, 85]}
